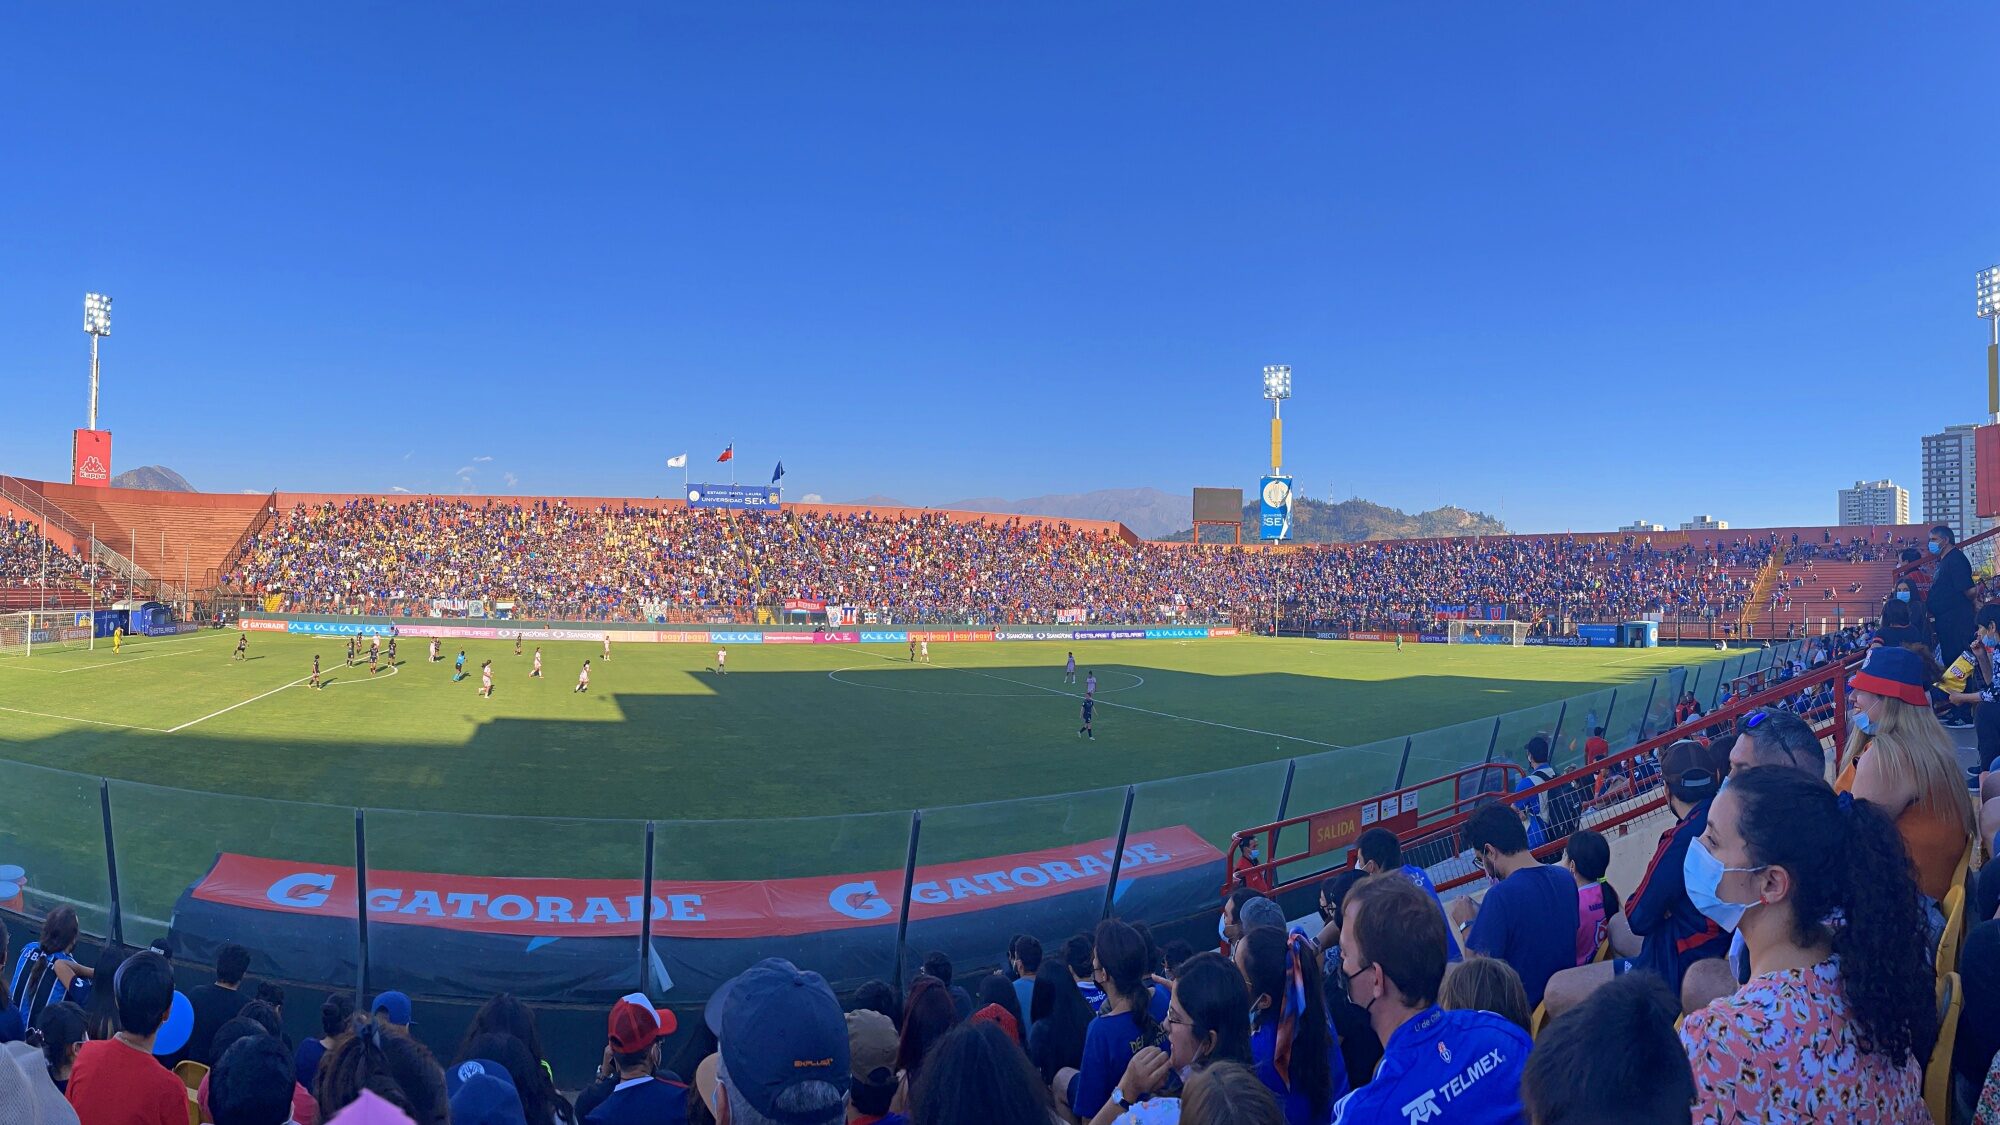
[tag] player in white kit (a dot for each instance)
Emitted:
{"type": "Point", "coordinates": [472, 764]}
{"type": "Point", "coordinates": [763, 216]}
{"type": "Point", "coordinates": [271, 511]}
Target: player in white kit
{"type": "Point", "coordinates": [722, 661]}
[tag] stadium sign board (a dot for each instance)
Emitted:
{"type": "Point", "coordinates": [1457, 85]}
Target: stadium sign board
{"type": "Point", "coordinates": [744, 497]}
{"type": "Point", "coordinates": [1274, 508]}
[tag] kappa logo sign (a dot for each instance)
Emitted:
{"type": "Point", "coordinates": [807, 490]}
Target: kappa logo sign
{"type": "Point", "coordinates": [92, 469]}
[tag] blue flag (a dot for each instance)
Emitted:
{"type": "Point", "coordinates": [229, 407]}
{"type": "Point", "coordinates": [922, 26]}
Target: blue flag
{"type": "Point", "coordinates": [778, 473]}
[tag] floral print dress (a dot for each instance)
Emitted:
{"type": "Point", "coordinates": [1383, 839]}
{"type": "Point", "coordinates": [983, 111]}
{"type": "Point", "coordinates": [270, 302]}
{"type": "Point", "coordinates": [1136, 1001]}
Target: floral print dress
{"type": "Point", "coordinates": [1782, 1049]}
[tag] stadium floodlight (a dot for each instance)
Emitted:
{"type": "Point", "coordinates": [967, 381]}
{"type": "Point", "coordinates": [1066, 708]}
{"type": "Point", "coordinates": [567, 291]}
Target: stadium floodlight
{"type": "Point", "coordinates": [1277, 381]}
{"type": "Point", "coordinates": [97, 322]}
{"type": "Point", "coordinates": [1986, 302]}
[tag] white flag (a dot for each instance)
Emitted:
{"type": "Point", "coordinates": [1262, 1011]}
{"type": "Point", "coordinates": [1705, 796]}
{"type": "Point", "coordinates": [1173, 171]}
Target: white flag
{"type": "Point", "coordinates": [677, 462]}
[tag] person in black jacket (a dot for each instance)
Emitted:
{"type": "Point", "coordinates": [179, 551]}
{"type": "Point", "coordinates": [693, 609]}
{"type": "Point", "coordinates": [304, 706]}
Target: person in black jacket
{"type": "Point", "coordinates": [1950, 602]}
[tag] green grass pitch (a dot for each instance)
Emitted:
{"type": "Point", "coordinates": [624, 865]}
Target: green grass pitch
{"type": "Point", "coordinates": [854, 734]}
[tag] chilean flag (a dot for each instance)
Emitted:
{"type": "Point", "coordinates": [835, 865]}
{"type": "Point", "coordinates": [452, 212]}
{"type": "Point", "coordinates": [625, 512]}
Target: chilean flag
{"type": "Point", "coordinates": [728, 453]}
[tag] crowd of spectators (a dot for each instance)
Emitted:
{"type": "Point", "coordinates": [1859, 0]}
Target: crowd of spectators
{"type": "Point", "coordinates": [553, 559]}
{"type": "Point", "coordinates": [28, 560]}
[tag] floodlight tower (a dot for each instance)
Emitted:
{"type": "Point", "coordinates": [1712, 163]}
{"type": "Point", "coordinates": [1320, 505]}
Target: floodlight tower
{"type": "Point", "coordinates": [1986, 302]}
{"type": "Point", "coordinates": [96, 322]}
{"type": "Point", "coordinates": [1277, 388]}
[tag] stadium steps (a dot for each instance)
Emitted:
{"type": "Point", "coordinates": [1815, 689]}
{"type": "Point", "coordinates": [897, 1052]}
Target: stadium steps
{"type": "Point", "coordinates": [1760, 594]}
{"type": "Point", "coordinates": [170, 535]}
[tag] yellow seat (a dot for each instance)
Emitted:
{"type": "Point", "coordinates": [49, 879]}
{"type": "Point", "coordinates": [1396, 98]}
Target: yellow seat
{"type": "Point", "coordinates": [1954, 930]}
{"type": "Point", "coordinates": [1536, 1021]}
{"type": "Point", "coordinates": [1937, 1075]}
{"type": "Point", "coordinates": [1603, 950]}
{"type": "Point", "coordinates": [190, 1073]}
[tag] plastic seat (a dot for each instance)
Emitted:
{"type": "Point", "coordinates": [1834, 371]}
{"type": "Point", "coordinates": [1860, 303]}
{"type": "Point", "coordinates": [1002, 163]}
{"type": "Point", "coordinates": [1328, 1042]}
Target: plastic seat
{"type": "Point", "coordinates": [1937, 1074]}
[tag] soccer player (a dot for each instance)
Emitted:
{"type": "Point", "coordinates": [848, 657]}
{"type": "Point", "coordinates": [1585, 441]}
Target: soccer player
{"type": "Point", "coordinates": [315, 676]}
{"type": "Point", "coordinates": [722, 661]}
{"type": "Point", "coordinates": [607, 646]}
{"type": "Point", "coordinates": [925, 649]}
{"type": "Point", "coordinates": [1089, 711]}
{"type": "Point", "coordinates": [434, 650]}
{"type": "Point", "coordinates": [1069, 670]}
{"type": "Point", "coordinates": [583, 680]}
{"type": "Point", "coordinates": [243, 648]}
{"type": "Point", "coordinates": [486, 679]}
{"type": "Point", "coordinates": [1090, 685]}
{"type": "Point", "coordinates": [517, 643]}
{"type": "Point", "coordinates": [458, 669]}
{"type": "Point", "coordinates": [374, 654]}
{"type": "Point", "coordinates": [392, 648]}
{"type": "Point", "coordinates": [117, 638]}
{"type": "Point", "coordinates": [350, 652]}
{"type": "Point", "coordinates": [537, 673]}
{"type": "Point", "coordinates": [913, 650]}
{"type": "Point", "coordinates": [1399, 640]}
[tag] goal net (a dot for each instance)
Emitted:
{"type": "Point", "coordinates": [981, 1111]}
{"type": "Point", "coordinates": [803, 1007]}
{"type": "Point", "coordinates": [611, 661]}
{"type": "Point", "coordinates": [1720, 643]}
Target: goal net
{"type": "Point", "coordinates": [23, 634]}
{"type": "Point", "coordinates": [1486, 633]}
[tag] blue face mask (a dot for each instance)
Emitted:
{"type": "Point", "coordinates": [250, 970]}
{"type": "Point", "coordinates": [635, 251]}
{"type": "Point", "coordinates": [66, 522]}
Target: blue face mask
{"type": "Point", "coordinates": [1222, 928]}
{"type": "Point", "coordinates": [1902, 595]}
{"type": "Point", "coordinates": [1934, 547]}
{"type": "Point", "coordinates": [1702, 873]}
{"type": "Point", "coordinates": [1863, 723]}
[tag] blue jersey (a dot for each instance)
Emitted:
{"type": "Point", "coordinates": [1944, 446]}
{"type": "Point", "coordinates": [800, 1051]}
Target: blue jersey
{"type": "Point", "coordinates": [1445, 1068]}
{"type": "Point", "coordinates": [460, 663]}
{"type": "Point", "coordinates": [1422, 879]}
{"type": "Point", "coordinates": [1088, 707]}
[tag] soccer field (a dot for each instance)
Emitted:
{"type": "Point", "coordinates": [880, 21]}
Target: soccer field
{"type": "Point", "coordinates": [854, 733]}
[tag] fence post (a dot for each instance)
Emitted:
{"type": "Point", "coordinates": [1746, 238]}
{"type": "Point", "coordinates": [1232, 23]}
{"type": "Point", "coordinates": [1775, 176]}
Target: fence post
{"type": "Point", "coordinates": [111, 863]}
{"type": "Point", "coordinates": [1610, 709]}
{"type": "Point", "coordinates": [1555, 738]}
{"type": "Point", "coordinates": [909, 878]}
{"type": "Point", "coordinates": [1285, 795]}
{"type": "Point", "coordinates": [1118, 853]}
{"type": "Point", "coordinates": [1490, 744]}
{"type": "Point", "coordinates": [1404, 766]}
{"type": "Point", "coordinates": [646, 920]}
{"type": "Point", "coordinates": [361, 910]}
{"type": "Point", "coordinates": [1646, 716]}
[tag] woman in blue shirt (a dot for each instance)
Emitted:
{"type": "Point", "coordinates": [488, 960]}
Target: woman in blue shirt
{"type": "Point", "coordinates": [1130, 1019]}
{"type": "Point", "coordinates": [1291, 1037]}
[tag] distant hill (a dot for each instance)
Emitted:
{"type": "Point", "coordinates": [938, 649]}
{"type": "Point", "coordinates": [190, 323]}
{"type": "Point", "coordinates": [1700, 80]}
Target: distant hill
{"type": "Point", "coordinates": [1148, 511]}
{"type": "Point", "coordinates": [157, 478]}
{"type": "Point", "coordinates": [1353, 521]}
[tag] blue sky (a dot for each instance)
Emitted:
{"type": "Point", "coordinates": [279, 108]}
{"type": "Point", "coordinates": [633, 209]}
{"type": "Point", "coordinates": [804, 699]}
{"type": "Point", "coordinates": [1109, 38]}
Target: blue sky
{"type": "Point", "coordinates": [1566, 263]}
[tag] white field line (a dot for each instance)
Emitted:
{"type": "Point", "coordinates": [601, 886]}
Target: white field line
{"type": "Point", "coordinates": [1142, 710]}
{"type": "Point", "coordinates": [123, 660]}
{"type": "Point", "coordinates": [74, 719]}
{"type": "Point", "coordinates": [393, 669]}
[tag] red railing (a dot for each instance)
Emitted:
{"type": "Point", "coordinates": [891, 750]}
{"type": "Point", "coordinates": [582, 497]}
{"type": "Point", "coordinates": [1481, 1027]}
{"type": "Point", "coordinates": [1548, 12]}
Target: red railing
{"type": "Point", "coordinates": [1621, 788]}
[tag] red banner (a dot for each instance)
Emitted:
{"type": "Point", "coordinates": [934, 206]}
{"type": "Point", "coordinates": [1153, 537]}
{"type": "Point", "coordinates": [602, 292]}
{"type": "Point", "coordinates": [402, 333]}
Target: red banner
{"type": "Point", "coordinates": [260, 625]}
{"type": "Point", "coordinates": [804, 605]}
{"type": "Point", "coordinates": [611, 907]}
{"type": "Point", "coordinates": [90, 458]}
{"type": "Point", "coordinates": [1222, 631]}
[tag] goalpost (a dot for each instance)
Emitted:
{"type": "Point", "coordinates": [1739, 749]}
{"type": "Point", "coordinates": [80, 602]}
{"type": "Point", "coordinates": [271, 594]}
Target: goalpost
{"type": "Point", "coordinates": [1486, 633]}
{"type": "Point", "coordinates": [23, 633]}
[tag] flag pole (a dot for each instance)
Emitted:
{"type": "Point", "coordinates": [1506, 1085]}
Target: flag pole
{"type": "Point", "coordinates": [732, 462]}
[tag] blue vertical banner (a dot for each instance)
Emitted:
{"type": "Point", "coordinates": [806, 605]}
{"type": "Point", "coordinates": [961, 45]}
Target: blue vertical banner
{"type": "Point", "coordinates": [1275, 510]}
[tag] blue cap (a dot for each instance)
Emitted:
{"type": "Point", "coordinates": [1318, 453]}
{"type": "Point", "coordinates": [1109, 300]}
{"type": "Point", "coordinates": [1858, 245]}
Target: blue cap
{"type": "Point", "coordinates": [392, 1006]}
{"type": "Point", "coordinates": [483, 1093]}
{"type": "Point", "coordinates": [780, 1026]}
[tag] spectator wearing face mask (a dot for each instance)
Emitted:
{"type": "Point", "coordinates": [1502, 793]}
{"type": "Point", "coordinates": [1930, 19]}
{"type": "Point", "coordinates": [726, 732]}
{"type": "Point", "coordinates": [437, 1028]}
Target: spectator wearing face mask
{"type": "Point", "coordinates": [1900, 759]}
{"type": "Point", "coordinates": [1529, 918]}
{"type": "Point", "coordinates": [1205, 1026]}
{"type": "Point", "coordinates": [1836, 1021]}
{"type": "Point", "coordinates": [1381, 850]}
{"type": "Point", "coordinates": [1391, 963]}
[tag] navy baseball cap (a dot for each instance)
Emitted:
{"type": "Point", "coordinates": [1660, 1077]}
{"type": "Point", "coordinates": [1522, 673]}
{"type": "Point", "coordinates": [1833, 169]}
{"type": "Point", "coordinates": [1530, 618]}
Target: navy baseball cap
{"type": "Point", "coordinates": [780, 1026]}
{"type": "Point", "coordinates": [392, 1006]}
{"type": "Point", "coordinates": [483, 1093]}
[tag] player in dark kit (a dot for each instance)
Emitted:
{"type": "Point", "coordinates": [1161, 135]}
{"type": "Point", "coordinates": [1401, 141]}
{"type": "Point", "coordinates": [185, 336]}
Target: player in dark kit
{"type": "Point", "coordinates": [374, 654]}
{"type": "Point", "coordinates": [315, 677]}
{"type": "Point", "coordinates": [392, 648]}
{"type": "Point", "coordinates": [1089, 709]}
{"type": "Point", "coordinates": [350, 652]}
{"type": "Point", "coordinates": [517, 644]}
{"type": "Point", "coordinates": [242, 647]}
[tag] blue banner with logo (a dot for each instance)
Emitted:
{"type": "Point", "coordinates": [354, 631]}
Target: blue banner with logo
{"type": "Point", "coordinates": [1177, 633]}
{"type": "Point", "coordinates": [1600, 635]}
{"type": "Point", "coordinates": [339, 628]}
{"type": "Point", "coordinates": [741, 638]}
{"type": "Point", "coordinates": [748, 497]}
{"type": "Point", "coordinates": [1274, 513]}
{"type": "Point", "coordinates": [884, 636]}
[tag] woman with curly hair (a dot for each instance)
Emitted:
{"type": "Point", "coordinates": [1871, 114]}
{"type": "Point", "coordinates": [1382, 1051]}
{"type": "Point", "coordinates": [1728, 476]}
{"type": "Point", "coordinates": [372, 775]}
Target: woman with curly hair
{"type": "Point", "coordinates": [1837, 1019]}
{"type": "Point", "coordinates": [392, 1065]}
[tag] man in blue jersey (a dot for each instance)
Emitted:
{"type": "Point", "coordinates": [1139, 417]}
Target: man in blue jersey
{"type": "Point", "coordinates": [1381, 851]}
{"type": "Point", "coordinates": [1529, 918]}
{"type": "Point", "coordinates": [1438, 1067]}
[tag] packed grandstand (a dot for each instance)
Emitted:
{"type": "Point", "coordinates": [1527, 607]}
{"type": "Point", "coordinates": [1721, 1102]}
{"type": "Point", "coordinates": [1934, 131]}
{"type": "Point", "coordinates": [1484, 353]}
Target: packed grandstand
{"type": "Point", "coordinates": [1863, 984]}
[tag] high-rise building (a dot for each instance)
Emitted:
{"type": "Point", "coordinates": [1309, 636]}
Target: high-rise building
{"type": "Point", "coordinates": [1948, 481]}
{"type": "Point", "coordinates": [1642, 526]}
{"type": "Point", "coordinates": [1874, 502]}
{"type": "Point", "coordinates": [1705, 523]}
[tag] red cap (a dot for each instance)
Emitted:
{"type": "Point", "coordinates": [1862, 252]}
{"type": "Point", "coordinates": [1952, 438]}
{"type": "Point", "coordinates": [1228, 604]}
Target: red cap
{"type": "Point", "coordinates": [636, 1025]}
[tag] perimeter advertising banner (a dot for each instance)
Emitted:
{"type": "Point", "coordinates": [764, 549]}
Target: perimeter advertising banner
{"type": "Point", "coordinates": [90, 458]}
{"type": "Point", "coordinates": [1274, 508]}
{"type": "Point", "coordinates": [744, 497]}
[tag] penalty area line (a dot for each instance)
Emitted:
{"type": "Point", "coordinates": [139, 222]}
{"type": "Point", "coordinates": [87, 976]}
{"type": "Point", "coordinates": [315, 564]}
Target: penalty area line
{"type": "Point", "coordinates": [74, 719]}
{"type": "Point", "coordinates": [1144, 710]}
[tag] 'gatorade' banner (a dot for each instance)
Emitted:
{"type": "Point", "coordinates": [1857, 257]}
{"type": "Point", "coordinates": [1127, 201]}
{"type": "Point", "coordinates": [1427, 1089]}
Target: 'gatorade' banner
{"type": "Point", "coordinates": [750, 908]}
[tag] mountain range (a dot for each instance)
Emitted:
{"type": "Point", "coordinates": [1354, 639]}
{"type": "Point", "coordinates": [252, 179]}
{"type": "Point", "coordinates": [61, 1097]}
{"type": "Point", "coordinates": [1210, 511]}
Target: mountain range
{"type": "Point", "coordinates": [1164, 515]}
{"type": "Point", "coordinates": [156, 478]}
